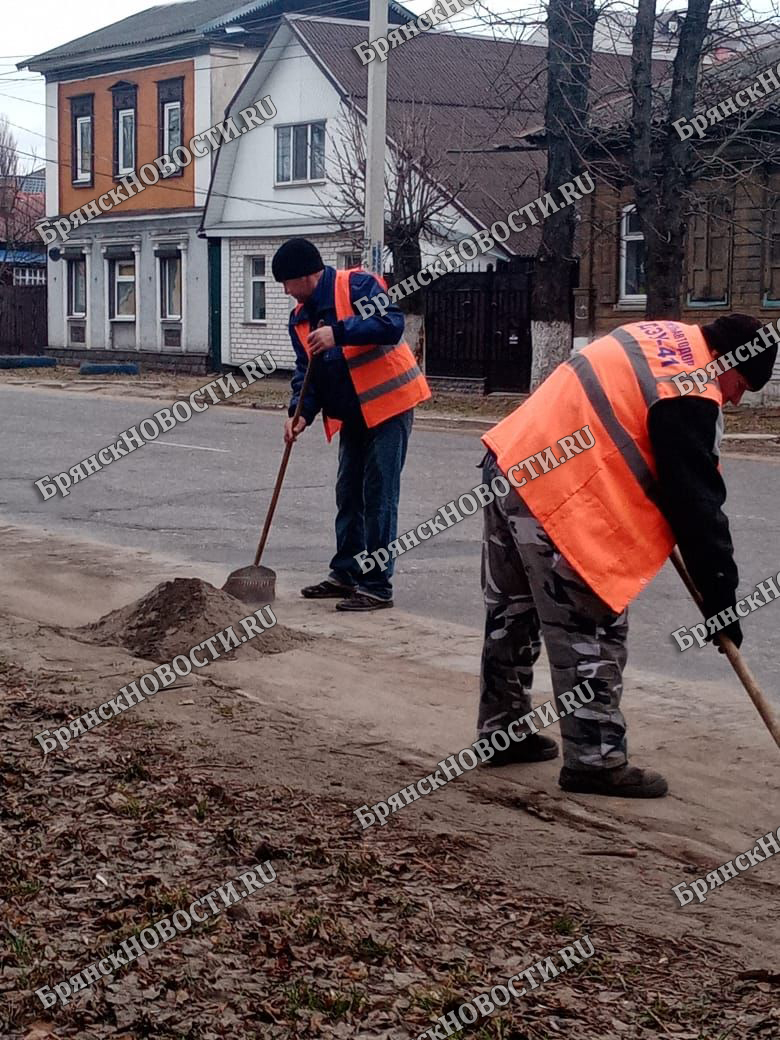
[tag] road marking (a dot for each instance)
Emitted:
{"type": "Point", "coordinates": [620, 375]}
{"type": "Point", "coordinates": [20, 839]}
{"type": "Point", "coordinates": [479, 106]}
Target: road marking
{"type": "Point", "coordinates": [194, 447]}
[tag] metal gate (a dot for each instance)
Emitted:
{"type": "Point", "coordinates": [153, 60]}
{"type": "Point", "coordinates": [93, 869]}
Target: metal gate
{"type": "Point", "coordinates": [478, 326]}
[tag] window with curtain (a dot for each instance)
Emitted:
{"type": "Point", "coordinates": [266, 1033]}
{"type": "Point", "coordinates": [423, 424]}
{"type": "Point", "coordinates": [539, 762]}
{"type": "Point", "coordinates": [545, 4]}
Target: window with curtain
{"type": "Point", "coordinates": [170, 287]}
{"type": "Point", "coordinates": [82, 133]}
{"type": "Point", "coordinates": [300, 153]}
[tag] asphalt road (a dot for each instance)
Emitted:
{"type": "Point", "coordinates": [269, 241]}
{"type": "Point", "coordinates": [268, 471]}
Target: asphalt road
{"type": "Point", "coordinates": [200, 493]}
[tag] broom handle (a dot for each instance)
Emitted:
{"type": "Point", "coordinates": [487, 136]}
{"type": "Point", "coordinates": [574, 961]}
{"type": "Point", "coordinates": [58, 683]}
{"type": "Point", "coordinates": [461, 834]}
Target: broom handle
{"type": "Point", "coordinates": [736, 660]}
{"type": "Point", "coordinates": [283, 468]}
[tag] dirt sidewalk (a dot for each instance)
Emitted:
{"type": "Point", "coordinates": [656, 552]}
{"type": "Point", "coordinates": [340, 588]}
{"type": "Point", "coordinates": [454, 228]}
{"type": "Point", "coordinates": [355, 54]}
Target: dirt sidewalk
{"type": "Point", "coordinates": [368, 934]}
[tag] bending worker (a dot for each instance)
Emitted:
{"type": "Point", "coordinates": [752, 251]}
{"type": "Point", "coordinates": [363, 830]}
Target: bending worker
{"type": "Point", "coordinates": [567, 551]}
{"type": "Point", "coordinates": [366, 383]}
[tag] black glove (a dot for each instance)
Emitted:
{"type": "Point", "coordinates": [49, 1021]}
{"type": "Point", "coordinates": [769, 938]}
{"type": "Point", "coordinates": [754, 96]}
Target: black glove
{"type": "Point", "coordinates": [733, 631]}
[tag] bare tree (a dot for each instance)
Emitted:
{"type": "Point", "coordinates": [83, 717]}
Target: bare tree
{"type": "Point", "coordinates": [681, 185]}
{"type": "Point", "coordinates": [570, 25]}
{"type": "Point", "coordinates": [662, 169]}
{"type": "Point", "coordinates": [18, 211]}
{"type": "Point", "coordinates": [422, 181]}
{"type": "Point", "coordinates": [630, 145]}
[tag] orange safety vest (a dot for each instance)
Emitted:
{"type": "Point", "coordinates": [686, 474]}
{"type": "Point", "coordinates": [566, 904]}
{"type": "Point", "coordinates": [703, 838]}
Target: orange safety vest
{"type": "Point", "coordinates": [386, 377]}
{"type": "Point", "coordinates": [601, 507]}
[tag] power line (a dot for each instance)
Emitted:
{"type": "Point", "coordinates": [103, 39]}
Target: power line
{"type": "Point", "coordinates": [273, 203]}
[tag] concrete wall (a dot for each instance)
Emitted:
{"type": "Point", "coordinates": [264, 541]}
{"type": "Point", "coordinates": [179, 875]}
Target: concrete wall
{"type": "Point", "coordinates": [229, 66]}
{"type": "Point", "coordinates": [145, 333]}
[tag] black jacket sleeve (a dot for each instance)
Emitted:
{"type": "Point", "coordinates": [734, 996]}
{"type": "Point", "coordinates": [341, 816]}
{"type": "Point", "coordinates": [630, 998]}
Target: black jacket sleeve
{"type": "Point", "coordinates": [683, 433]}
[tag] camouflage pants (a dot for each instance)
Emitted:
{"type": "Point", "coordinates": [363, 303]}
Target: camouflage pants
{"type": "Point", "coordinates": [529, 589]}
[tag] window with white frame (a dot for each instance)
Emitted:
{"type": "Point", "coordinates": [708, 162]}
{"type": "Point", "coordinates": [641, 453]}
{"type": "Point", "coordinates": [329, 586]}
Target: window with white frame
{"type": "Point", "coordinates": [170, 288]}
{"type": "Point", "coordinates": [122, 290]}
{"type": "Point", "coordinates": [170, 118]}
{"type": "Point", "coordinates": [83, 148]}
{"type": "Point", "coordinates": [125, 157]}
{"type": "Point", "coordinates": [76, 274]}
{"type": "Point", "coordinates": [171, 126]}
{"type": "Point", "coordinates": [29, 276]}
{"type": "Point", "coordinates": [346, 261]}
{"type": "Point", "coordinates": [300, 153]}
{"type": "Point", "coordinates": [254, 282]}
{"type": "Point", "coordinates": [632, 258]}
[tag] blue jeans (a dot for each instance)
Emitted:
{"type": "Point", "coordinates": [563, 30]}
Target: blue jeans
{"type": "Point", "coordinates": [367, 490]}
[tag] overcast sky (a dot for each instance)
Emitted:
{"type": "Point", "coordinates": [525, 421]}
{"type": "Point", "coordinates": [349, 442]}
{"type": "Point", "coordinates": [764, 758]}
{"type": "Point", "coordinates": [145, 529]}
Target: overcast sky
{"type": "Point", "coordinates": [49, 23]}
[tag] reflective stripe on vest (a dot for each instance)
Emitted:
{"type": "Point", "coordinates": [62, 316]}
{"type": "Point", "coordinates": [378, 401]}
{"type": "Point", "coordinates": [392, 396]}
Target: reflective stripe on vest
{"type": "Point", "coordinates": [623, 440]}
{"type": "Point", "coordinates": [385, 376]}
{"type": "Point", "coordinates": [602, 507]}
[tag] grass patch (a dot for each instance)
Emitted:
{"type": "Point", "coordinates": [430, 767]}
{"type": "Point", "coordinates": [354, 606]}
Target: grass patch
{"type": "Point", "coordinates": [335, 1004]}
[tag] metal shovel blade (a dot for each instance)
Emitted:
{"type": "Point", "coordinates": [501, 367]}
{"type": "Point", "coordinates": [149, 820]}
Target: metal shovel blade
{"type": "Point", "coordinates": [255, 586]}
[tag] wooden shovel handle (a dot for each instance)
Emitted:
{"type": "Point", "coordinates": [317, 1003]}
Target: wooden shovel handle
{"type": "Point", "coordinates": [736, 660]}
{"type": "Point", "coordinates": [283, 467]}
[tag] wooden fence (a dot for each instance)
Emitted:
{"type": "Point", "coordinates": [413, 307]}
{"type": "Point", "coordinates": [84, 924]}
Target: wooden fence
{"type": "Point", "coordinates": [23, 328]}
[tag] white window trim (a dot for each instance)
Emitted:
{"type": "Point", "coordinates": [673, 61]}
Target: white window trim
{"type": "Point", "coordinates": [306, 180]}
{"type": "Point", "coordinates": [116, 279]}
{"type": "Point", "coordinates": [75, 314]}
{"type": "Point", "coordinates": [161, 286]}
{"type": "Point", "coordinates": [122, 114]}
{"type": "Point", "coordinates": [249, 281]}
{"type": "Point", "coordinates": [86, 319]}
{"type": "Point", "coordinates": [28, 276]}
{"type": "Point", "coordinates": [83, 175]}
{"type": "Point", "coordinates": [628, 236]}
{"type": "Point", "coordinates": [168, 107]}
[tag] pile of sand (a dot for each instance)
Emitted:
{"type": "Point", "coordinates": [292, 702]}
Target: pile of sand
{"type": "Point", "coordinates": [179, 614]}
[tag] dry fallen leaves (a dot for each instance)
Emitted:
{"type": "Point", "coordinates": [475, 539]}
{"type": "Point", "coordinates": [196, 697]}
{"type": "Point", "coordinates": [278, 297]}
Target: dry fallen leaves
{"type": "Point", "coordinates": [362, 936]}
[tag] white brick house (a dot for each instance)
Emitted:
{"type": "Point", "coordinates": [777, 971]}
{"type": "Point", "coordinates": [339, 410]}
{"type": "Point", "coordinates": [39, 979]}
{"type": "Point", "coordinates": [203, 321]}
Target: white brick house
{"type": "Point", "coordinates": [269, 185]}
{"type": "Point", "coordinates": [247, 337]}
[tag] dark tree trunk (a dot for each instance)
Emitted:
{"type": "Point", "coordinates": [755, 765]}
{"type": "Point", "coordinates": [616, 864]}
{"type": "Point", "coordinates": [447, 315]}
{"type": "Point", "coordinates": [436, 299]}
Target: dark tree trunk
{"type": "Point", "coordinates": [407, 261]}
{"type": "Point", "coordinates": [569, 46]}
{"type": "Point", "coordinates": [661, 175]}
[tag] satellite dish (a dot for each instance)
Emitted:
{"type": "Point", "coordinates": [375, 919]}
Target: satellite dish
{"type": "Point", "coordinates": [55, 253]}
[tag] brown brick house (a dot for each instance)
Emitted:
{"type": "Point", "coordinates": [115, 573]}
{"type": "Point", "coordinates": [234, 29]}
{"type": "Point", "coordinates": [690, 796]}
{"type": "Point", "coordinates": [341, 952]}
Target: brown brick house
{"type": "Point", "coordinates": [732, 246]}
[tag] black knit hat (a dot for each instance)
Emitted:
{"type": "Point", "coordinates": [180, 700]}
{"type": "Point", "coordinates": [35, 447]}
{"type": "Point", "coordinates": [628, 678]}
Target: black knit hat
{"type": "Point", "coordinates": [730, 332]}
{"type": "Point", "coordinates": [295, 259]}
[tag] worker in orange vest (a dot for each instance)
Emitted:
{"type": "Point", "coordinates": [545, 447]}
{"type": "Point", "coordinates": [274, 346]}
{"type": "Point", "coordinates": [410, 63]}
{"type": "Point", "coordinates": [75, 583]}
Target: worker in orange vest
{"type": "Point", "coordinates": [582, 534]}
{"type": "Point", "coordinates": [366, 383]}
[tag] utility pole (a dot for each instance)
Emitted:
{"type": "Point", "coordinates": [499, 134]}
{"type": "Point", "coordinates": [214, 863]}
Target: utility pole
{"type": "Point", "coordinates": [376, 133]}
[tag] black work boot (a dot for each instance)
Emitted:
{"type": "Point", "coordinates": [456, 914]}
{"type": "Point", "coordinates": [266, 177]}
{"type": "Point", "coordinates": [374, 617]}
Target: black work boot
{"type": "Point", "coordinates": [623, 782]}
{"type": "Point", "coordinates": [535, 748]}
